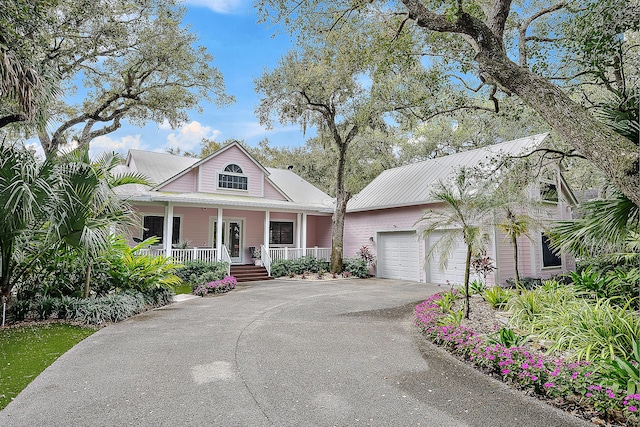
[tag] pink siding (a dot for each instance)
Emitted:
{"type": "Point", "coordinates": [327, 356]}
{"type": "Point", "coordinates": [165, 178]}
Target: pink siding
{"type": "Point", "coordinates": [187, 183]}
{"type": "Point", "coordinates": [319, 231]}
{"type": "Point", "coordinates": [211, 168]}
{"type": "Point", "coordinates": [270, 192]}
{"type": "Point", "coordinates": [194, 225]}
{"type": "Point", "coordinates": [505, 257]}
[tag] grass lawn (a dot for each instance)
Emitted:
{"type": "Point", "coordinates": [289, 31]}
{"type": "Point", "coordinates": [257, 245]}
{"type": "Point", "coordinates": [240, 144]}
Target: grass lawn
{"type": "Point", "coordinates": [27, 351]}
{"type": "Point", "coordinates": [182, 289]}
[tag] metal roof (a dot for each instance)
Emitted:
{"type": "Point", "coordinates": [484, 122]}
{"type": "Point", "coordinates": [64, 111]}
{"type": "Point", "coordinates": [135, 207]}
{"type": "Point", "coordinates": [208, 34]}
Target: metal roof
{"type": "Point", "coordinates": [412, 184]}
{"type": "Point", "coordinates": [160, 167]}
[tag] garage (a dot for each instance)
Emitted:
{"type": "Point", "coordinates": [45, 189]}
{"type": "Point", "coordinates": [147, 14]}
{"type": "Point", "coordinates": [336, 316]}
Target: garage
{"type": "Point", "coordinates": [454, 271]}
{"type": "Point", "coordinates": [398, 255]}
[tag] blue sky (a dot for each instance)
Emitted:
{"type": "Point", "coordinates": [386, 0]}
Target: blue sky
{"type": "Point", "coordinates": [242, 49]}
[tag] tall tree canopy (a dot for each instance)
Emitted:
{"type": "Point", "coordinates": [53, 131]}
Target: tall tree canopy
{"type": "Point", "coordinates": [560, 57]}
{"type": "Point", "coordinates": [120, 60]}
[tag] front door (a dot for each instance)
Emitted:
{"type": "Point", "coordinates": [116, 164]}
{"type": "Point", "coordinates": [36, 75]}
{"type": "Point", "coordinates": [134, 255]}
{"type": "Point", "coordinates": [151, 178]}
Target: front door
{"type": "Point", "coordinates": [231, 237]}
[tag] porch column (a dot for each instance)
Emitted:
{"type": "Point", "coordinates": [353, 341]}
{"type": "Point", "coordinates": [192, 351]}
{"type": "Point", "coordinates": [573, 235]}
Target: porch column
{"type": "Point", "coordinates": [267, 219]}
{"type": "Point", "coordinates": [299, 231]}
{"type": "Point", "coordinates": [168, 229]}
{"type": "Point", "coordinates": [219, 235]}
{"type": "Point", "coordinates": [304, 233]}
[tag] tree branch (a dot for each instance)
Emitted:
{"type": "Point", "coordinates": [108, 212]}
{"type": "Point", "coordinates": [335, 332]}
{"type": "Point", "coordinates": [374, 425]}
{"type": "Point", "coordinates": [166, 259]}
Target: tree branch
{"type": "Point", "coordinates": [12, 118]}
{"type": "Point", "coordinates": [524, 26]}
{"type": "Point", "coordinates": [498, 17]}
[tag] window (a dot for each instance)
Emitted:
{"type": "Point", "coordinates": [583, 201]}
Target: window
{"type": "Point", "coordinates": [154, 226]}
{"type": "Point", "coordinates": [280, 233]}
{"type": "Point", "coordinates": [549, 259]}
{"type": "Point", "coordinates": [548, 192]}
{"type": "Point", "coordinates": [233, 179]}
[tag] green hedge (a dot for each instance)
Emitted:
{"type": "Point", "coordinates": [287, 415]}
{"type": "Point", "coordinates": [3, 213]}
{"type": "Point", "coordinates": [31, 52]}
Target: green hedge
{"type": "Point", "coordinates": [281, 268]}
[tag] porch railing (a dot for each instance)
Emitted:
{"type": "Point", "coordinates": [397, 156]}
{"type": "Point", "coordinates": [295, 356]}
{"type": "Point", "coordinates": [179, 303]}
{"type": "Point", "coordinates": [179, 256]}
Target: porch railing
{"type": "Point", "coordinates": [225, 257]}
{"type": "Point", "coordinates": [278, 254]}
{"type": "Point", "coordinates": [202, 254]}
{"type": "Point", "coordinates": [266, 259]}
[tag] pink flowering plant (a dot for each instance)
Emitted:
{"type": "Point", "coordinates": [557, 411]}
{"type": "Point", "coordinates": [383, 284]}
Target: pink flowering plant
{"type": "Point", "coordinates": [554, 378]}
{"type": "Point", "coordinates": [216, 287]}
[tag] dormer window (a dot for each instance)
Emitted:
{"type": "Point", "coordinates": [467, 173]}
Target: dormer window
{"type": "Point", "coordinates": [232, 178]}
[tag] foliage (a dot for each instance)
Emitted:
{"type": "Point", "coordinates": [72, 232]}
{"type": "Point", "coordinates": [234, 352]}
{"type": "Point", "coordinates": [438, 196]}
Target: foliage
{"type": "Point", "coordinates": [113, 307]}
{"type": "Point", "coordinates": [483, 265]}
{"type": "Point", "coordinates": [526, 283]}
{"type": "Point", "coordinates": [464, 214]}
{"type": "Point", "coordinates": [26, 351]}
{"type": "Point", "coordinates": [355, 267]}
{"type": "Point", "coordinates": [624, 372]}
{"type": "Point", "coordinates": [507, 338]}
{"type": "Point", "coordinates": [191, 271]}
{"type": "Point", "coordinates": [365, 254]}
{"type": "Point", "coordinates": [216, 287]}
{"type": "Point", "coordinates": [477, 287]}
{"type": "Point", "coordinates": [496, 297]}
{"type": "Point", "coordinates": [543, 375]}
{"type": "Point", "coordinates": [135, 61]}
{"type": "Point", "coordinates": [306, 264]}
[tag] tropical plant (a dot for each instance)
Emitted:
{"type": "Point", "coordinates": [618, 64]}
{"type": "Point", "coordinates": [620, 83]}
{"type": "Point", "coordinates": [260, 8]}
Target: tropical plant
{"type": "Point", "coordinates": [508, 338]}
{"type": "Point", "coordinates": [496, 297]}
{"type": "Point", "coordinates": [624, 372]}
{"type": "Point", "coordinates": [464, 215]}
{"type": "Point", "coordinates": [477, 287]}
{"type": "Point", "coordinates": [190, 271]}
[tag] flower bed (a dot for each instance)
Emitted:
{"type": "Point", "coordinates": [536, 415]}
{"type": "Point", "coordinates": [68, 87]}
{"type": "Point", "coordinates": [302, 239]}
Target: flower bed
{"type": "Point", "coordinates": [566, 384]}
{"type": "Point", "coordinates": [216, 287]}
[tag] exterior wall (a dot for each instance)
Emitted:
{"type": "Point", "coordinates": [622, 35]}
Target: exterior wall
{"type": "Point", "coordinates": [270, 192]}
{"type": "Point", "coordinates": [195, 225]}
{"type": "Point", "coordinates": [187, 183]}
{"type": "Point", "coordinates": [319, 230]}
{"type": "Point", "coordinates": [141, 210]}
{"type": "Point", "coordinates": [211, 168]}
{"type": "Point", "coordinates": [505, 257]}
{"type": "Point", "coordinates": [360, 226]}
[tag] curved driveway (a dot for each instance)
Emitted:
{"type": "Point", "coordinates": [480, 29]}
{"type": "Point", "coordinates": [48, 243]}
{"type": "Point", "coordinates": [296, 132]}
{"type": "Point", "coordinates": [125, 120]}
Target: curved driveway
{"type": "Point", "coordinates": [277, 353]}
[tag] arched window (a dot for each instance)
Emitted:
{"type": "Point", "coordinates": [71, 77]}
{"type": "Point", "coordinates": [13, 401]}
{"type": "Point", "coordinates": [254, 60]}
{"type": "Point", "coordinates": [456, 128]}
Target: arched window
{"type": "Point", "coordinates": [233, 168]}
{"type": "Point", "coordinates": [232, 178]}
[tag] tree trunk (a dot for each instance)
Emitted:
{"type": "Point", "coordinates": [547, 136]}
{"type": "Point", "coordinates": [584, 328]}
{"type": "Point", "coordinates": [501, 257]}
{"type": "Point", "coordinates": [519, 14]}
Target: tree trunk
{"type": "Point", "coordinates": [87, 279]}
{"type": "Point", "coordinates": [467, 271]}
{"type": "Point", "coordinates": [342, 197]}
{"type": "Point", "coordinates": [516, 273]}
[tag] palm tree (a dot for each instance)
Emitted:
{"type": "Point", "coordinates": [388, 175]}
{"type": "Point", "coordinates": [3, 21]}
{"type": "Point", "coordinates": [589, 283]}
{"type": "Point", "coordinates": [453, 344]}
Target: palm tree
{"type": "Point", "coordinates": [94, 209]}
{"type": "Point", "coordinates": [465, 214]}
{"type": "Point", "coordinates": [28, 195]}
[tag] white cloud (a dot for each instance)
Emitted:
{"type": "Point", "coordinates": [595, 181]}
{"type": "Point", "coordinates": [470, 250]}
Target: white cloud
{"type": "Point", "coordinates": [190, 136]}
{"type": "Point", "coordinates": [218, 6]}
{"type": "Point", "coordinates": [164, 125]}
{"type": "Point", "coordinates": [119, 145]}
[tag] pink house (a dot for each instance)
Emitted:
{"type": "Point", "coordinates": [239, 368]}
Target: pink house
{"type": "Point", "coordinates": [385, 217]}
{"type": "Point", "coordinates": [229, 207]}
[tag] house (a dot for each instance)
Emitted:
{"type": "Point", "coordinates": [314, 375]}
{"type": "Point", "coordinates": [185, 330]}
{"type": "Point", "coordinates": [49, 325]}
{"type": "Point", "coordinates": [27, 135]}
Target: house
{"type": "Point", "coordinates": [385, 216]}
{"type": "Point", "coordinates": [227, 207]}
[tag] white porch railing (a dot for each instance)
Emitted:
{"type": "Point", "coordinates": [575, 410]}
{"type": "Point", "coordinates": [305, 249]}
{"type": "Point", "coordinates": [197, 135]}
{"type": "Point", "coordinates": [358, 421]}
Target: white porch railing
{"type": "Point", "coordinates": [278, 254]}
{"type": "Point", "coordinates": [225, 257]}
{"type": "Point", "coordinates": [183, 255]}
{"type": "Point", "coordinates": [151, 251]}
{"type": "Point", "coordinates": [266, 259]}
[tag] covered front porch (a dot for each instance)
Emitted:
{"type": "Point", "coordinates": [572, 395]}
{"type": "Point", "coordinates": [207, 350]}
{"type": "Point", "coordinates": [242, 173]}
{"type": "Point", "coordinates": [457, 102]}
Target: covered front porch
{"type": "Point", "coordinates": [235, 235]}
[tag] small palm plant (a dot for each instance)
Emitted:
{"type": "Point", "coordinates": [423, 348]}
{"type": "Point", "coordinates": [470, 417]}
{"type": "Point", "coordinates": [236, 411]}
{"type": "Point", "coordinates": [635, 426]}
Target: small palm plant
{"type": "Point", "coordinates": [465, 214]}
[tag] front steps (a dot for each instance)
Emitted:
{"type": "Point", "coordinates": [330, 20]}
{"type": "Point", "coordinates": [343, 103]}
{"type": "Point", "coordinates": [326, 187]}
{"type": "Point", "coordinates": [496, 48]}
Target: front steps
{"type": "Point", "coordinates": [249, 273]}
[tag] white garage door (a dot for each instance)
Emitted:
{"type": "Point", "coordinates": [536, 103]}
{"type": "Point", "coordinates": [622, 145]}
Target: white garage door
{"type": "Point", "coordinates": [454, 270]}
{"type": "Point", "coordinates": [398, 256]}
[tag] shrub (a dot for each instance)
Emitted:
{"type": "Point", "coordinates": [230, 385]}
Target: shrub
{"type": "Point", "coordinates": [281, 268]}
{"type": "Point", "coordinates": [477, 287]}
{"type": "Point", "coordinates": [356, 267]}
{"type": "Point", "coordinates": [527, 283]}
{"type": "Point", "coordinates": [197, 268]}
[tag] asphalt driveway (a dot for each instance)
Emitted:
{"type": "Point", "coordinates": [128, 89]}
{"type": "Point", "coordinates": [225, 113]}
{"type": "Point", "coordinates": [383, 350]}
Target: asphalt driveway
{"type": "Point", "coordinates": [278, 353]}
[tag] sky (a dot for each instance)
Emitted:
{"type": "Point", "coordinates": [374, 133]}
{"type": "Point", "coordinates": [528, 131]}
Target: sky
{"type": "Point", "coordinates": [242, 49]}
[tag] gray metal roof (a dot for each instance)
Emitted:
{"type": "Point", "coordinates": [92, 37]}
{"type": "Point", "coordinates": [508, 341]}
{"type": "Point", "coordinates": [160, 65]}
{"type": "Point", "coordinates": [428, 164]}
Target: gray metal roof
{"type": "Point", "coordinates": [159, 167]}
{"type": "Point", "coordinates": [297, 188]}
{"type": "Point", "coordinates": [412, 184]}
